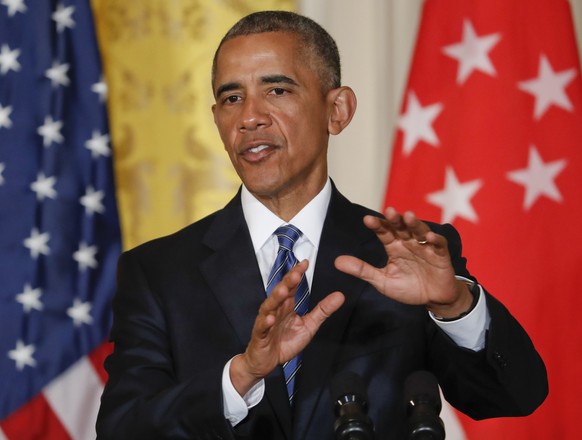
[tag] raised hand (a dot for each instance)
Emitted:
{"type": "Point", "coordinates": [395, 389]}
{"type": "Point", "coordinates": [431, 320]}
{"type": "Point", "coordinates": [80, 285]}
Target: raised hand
{"type": "Point", "coordinates": [419, 269]}
{"type": "Point", "coordinates": [279, 334]}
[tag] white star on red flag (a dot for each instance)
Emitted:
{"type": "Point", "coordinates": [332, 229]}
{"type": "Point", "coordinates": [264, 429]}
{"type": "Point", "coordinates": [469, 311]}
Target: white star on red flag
{"type": "Point", "coordinates": [455, 198]}
{"type": "Point", "coordinates": [417, 123]}
{"type": "Point", "coordinates": [472, 52]}
{"type": "Point", "coordinates": [538, 178]}
{"type": "Point", "coordinates": [549, 88]}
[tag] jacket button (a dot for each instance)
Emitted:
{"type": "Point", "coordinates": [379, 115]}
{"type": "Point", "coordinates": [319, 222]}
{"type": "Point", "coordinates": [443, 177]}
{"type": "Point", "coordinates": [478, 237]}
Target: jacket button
{"type": "Point", "coordinates": [498, 357]}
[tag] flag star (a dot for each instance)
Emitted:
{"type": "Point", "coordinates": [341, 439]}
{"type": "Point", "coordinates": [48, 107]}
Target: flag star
{"type": "Point", "coordinates": [98, 144]}
{"type": "Point", "coordinates": [455, 198]}
{"type": "Point", "coordinates": [30, 298]}
{"type": "Point", "coordinates": [9, 59]}
{"type": "Point", "coordinates": [93, 201]}
{"type": "Point", "coordinates": [101, 89]}
{"type": "Point", "coordinates": [58, 74]}
{"type": "Point", "coordinates": [549, 88]}
{"type": "Point", "coordinates": [51, 131]}
{"type": "Point", "coordinates": [63, 17]}
{"type": "Point", "coordinates": [417, 122]}
{"type": "Point", "coordinates": [22, 355]}
{"type": "Point", "coordinates": [472, 52]}
{"type": "Point", "coordinates": [37, 243]}
{"type": "Point", "coordinates": [538, 178]}
{"type": "Point", "coordinates": [5, 116]}
{"type": "Point", "coordinates": [79, 312]}
{"type": "Point", "coordinates": [14, 6]}
{"type": "Point", "coordinates": [44, 187]}
{"type": "Point", "coordinates": [2, 168]}
{"type": "Point", "coordinates": [85, 256]}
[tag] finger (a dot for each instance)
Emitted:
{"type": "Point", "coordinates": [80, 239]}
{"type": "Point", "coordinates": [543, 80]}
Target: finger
{"type": "Point", "coordinates": [280, 302]}
{"type": "Point", "coordinates": [356, 267]}
{"type": "Point", "coordinates": [396, 222]}
{"type": "Point", "coordinates": [323, 310]}
{"type": "Point", "coordinates": [418, 229]}
{"type": "Point", "coordinates": [286, 287]}
{"type": "Point", "coordinates": [381, 227]}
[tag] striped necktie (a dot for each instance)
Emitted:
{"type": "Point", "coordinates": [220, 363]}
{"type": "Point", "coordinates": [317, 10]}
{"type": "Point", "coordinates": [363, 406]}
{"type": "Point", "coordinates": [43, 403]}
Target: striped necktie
{"type": "Point", "coordinates": [287, 236]}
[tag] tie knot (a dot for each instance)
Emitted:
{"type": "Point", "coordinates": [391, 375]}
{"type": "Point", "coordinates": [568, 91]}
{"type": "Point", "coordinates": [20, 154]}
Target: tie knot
{"type": "Point", "coordinates": [287, 236]}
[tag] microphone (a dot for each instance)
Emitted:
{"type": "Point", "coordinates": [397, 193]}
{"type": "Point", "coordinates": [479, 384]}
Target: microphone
{"type": "Point", "coordinates": [351, 406]}
{"type": "Point", "coordinates": [423, 405]}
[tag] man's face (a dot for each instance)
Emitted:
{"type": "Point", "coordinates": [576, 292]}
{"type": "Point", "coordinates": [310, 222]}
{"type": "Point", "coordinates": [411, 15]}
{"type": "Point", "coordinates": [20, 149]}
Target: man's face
{"type": "Point", "coordinates": [272, 116]}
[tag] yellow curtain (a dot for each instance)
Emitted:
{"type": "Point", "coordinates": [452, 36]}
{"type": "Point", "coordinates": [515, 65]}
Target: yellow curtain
{"type": "Point", "coordinates": [170, 164]}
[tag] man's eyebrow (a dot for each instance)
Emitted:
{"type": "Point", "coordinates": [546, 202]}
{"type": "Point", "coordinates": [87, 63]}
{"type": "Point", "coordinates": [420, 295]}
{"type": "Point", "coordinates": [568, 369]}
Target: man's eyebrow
{"type": "Point", "coordinates": [267, 79]}
{"type": "Point", "coordinates": [274, 79]}
{"type": "Point", "coordinates": [227, 88]}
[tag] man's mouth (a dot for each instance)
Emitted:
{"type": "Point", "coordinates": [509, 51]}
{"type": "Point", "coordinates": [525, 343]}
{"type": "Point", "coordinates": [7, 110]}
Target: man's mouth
{"type": "Point", "coordinates": [258, 148]}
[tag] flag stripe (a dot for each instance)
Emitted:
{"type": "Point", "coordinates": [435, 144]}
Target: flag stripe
{"type": "Point", "coordinates": [453, 427]}
{"type": "Point", "coordinates": [36, 420]}
{"type": "Point", "coordinates": [97, 358]}
{"type": "Point", "coordinates": [75, 404]}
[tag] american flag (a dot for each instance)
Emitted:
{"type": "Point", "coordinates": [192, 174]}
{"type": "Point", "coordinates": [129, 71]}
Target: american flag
{"type": "Point", "coordinates": [489, 139]}
{"type": "Point", "coordinates": [59, 229]}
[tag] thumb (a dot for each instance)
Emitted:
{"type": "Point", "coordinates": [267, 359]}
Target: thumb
{"type": "Point", "coordinates": [324, 309]}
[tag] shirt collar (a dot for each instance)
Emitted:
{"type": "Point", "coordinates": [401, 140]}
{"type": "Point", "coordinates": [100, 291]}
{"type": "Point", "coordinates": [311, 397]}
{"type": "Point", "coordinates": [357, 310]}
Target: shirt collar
{"type": "Point", "coordinates": [262, 222]}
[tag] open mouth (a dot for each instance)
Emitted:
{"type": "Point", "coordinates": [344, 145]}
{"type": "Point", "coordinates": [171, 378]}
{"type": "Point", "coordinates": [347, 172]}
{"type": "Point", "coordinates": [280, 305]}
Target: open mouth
{"type": "Point", "coordinates": [258, 148]}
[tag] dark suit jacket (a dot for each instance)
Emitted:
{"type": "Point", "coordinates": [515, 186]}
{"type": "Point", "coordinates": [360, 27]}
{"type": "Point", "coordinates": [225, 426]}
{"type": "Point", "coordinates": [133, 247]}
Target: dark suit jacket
{"type": "Point", "coordinates": [186, 304]}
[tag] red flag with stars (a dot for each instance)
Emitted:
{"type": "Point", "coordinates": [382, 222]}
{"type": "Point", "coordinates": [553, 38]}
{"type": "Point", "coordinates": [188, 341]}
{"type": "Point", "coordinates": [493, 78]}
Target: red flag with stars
{"type": "Point", "coordinates": [490, 140]}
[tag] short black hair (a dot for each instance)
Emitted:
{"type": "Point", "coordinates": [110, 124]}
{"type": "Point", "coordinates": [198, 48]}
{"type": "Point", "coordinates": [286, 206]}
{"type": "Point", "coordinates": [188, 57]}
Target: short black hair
{"type": "Point", "coordinates": [318, 43]}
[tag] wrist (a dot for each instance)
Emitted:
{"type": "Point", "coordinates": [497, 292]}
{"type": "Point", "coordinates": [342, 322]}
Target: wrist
{"type": "Point", "coordinates": [241, 376]}
{"type": "Point", "coordinates": [467, 302]}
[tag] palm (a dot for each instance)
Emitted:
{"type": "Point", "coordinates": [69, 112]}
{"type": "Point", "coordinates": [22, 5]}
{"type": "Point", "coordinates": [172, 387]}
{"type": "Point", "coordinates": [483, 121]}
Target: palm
{"type": "Point", "coordinates": [416, 272]}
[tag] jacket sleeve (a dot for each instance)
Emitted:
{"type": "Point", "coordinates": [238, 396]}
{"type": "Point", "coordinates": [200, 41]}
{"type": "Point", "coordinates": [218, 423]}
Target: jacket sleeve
{"type": "Point", "coordinates": [507, 378]}
{"type": "Point", "coordinates": [143, 399]}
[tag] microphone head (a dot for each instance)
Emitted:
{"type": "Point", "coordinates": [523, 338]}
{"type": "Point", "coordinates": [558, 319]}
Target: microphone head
{"type": "Point", "coordinates": [346, 387]}
{"type": "Point", "coordinates": [422, 387]}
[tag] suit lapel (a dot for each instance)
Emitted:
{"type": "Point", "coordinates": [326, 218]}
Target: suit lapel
{"type": "Point", "coordinates": [343, 233]}
{"type": "Point", "coordinates": [233, 275]}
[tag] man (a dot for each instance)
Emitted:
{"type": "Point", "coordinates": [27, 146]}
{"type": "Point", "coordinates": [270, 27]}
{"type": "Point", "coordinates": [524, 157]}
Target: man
{"type": "Point", "coordinates": [202, 352]}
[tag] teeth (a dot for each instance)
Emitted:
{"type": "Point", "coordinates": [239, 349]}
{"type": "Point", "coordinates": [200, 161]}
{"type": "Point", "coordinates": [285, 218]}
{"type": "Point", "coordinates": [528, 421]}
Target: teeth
{"type": "Point", "coordinates": [258, 148]}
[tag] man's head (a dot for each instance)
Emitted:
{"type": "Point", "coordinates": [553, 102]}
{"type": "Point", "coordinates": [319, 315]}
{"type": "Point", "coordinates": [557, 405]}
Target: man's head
{"type": "Point", "coordinates": [276, 106]}
{"type": "Point", "coordinates": [320, 48]}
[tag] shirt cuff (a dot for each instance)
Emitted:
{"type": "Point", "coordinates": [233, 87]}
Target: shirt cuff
{"type": "Point", "coordinates": [470, 330]}
{"type": "Point", "coordinates": [236, 408]}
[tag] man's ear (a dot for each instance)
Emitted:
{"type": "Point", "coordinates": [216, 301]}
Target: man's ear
{"type": "Point", "coordinates": [343, 106]}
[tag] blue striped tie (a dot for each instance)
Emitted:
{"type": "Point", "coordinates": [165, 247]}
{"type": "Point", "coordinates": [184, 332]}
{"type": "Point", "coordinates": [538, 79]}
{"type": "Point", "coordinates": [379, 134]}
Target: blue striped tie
{"type": "Point", "coordinates": [287, 236]}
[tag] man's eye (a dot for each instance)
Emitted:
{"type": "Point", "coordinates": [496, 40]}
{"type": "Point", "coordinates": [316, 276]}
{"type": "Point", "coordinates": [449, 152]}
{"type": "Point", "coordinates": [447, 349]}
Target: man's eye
{"type": "Point", "coordinates": [279, 91]}
{"type": "Point", "coordinates": [232, 99]}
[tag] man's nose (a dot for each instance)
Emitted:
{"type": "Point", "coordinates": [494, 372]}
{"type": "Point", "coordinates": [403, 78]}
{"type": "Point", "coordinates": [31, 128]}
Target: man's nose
{"type": "Point", "coordinates": [254, 115]}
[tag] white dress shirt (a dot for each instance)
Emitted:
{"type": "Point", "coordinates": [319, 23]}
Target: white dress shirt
{"type": "Point", "coordinates": [468, 332]}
